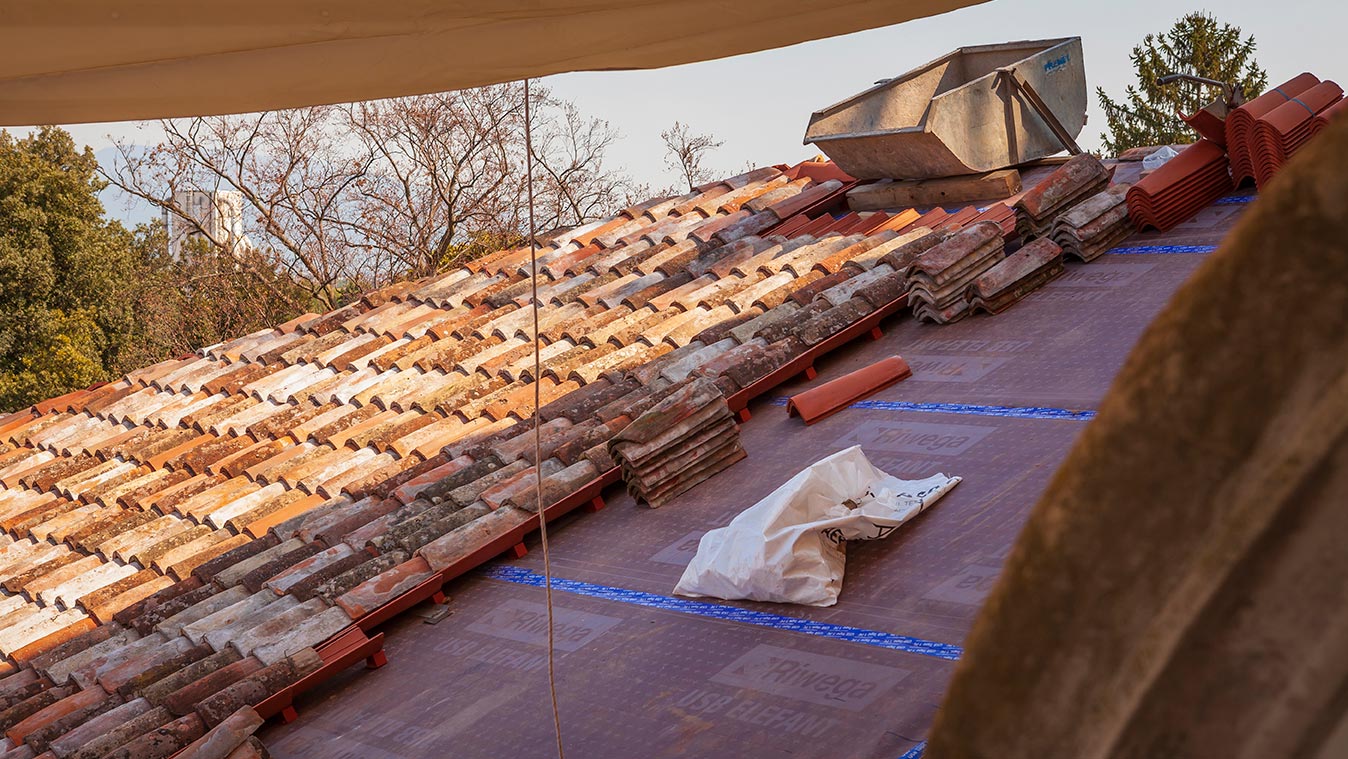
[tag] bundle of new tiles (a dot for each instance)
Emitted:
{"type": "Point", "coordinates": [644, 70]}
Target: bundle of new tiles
{"type": "Point", "coordinates": [1186, 183]}
{"type": "Point", "coordinates": [1081, 177]}
{"type": "Point", "coordinates": [1284, 130]}
{"type": "Point", "coordinates": [1263, 133]}
{"type": "Point", "coordinates": [938, 280]}
{"type": "Point", "coordinates": [1094, 226]}
{"type": "Point", "coordinates": [681, 441]}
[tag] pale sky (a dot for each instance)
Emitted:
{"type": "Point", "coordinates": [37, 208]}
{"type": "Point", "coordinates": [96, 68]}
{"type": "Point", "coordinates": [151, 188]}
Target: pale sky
{"type": "Point", "coordinates": [759, 104]}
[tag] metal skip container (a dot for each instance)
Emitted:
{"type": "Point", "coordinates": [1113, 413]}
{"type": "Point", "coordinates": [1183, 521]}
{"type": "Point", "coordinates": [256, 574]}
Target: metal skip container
{"type": "Point", "coordinates": [959, 114]}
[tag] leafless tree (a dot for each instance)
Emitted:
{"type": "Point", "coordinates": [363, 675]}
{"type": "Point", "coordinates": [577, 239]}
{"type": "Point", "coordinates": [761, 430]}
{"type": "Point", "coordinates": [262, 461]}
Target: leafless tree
{"type": "Point", "coordinates": [345, 198]}
{"type": "Point", "coordinates": [285, 165]}
{"type": "Point", "coordinates": [685, 152]}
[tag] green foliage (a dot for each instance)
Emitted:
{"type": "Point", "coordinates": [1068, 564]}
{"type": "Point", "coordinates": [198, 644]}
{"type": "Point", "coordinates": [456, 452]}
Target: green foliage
{"type": "Point", "coordinates": [83, 300]}
{"type": "Point", "coordinates": [203, 297]}
{"type": "Point", "coordinates": [1197, 44]}
{"type": "Point", "coordinates": [60, 262]}
{"type": "Point", "coordinates": [59, 353]}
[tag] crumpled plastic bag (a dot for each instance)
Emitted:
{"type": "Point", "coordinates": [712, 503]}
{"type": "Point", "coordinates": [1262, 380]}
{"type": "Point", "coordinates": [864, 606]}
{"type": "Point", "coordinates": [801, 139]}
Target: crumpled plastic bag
{"type": "Point", "coordinates": [1158, 158]}
{"type": "Point", "coordinates": [790, 547]}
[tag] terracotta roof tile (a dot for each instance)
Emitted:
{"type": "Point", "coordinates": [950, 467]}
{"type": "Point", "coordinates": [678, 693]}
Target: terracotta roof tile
{"type": "Point", "coordinates": [698, 202]}
{"type": "Point", "coordinates": [126, 520]}
{"type": "Point", "coordinates": [179, 561]}
{"type": "Point", "coordinates": [614, 364]}
{"type": "Point", "coordinates": [104, 609]}
{"type": "Point", "coordinates": [438, 388]}
{"type": "Point", "coordinates": [468, 392]}
{"type": "Point", "coordinates": [267, 351]}
{"type": "Point", "coordinates": [341, 356]}
{"type": "Point", "coordinates": [455, 296]}
{"type": "Point", "coordinates": [662, 254]}
{"type": "Point", "coordinates": [150, 373]}
{"type": "Point", "coordinates": [525, 361]}
{"type": "Point", "coordinates": [26, 460]}
{"type": "Point", "coordinates": [181, 450]}
{"type": "Point", "coordinates": [447, 359]}
{"type": "Point", "coordinates": [202, 419]}
{"type": "Point", "coordinates": [19, 576]}
{"type": "Point", "coordinates": [717, 293]}
{"type": "Point", "coordinates": [572, 289]}
{"type": "Point", "coordinates": [720, 260]}
{"type": "Point", "coordinates": [57, 529]}
{"type": "Point", "coordinates": [35, 512]}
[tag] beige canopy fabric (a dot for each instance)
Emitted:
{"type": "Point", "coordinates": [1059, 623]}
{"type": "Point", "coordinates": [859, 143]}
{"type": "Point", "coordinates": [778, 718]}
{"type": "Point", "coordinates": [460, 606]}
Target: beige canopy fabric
{"type": "Point", "coordinates": [1179, 590]}
{"type": "Point", "coordinates": [74, 61]}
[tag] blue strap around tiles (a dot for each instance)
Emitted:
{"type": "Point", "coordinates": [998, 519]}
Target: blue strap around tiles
{"type": "Point", "coordinates": [1234, 200]}
{"type": "Point", "coordinates": [972, 409]}
{"type": "Point", "coordinates": [915, 752]}
{"type": "Point", "coordinates": [522, 576]}
{"type": "Point", "coordinates": [1151, 250]}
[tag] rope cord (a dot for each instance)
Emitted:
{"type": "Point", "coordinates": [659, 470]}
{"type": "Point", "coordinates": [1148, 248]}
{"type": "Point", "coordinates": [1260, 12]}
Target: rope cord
{"type": "Point", "coordinates": [538, 447]}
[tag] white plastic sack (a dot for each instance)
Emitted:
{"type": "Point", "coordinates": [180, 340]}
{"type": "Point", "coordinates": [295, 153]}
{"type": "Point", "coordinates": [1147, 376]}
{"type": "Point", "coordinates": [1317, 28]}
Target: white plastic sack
{"type": "Point", "coordinates": [1158, 158]}
{"type": "Point", "coordinates": [789, 547]}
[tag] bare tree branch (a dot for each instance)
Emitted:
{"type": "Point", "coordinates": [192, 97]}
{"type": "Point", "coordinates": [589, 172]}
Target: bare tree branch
{"type": "Point", "coordinates": [346, 198]}
{"type": "Point", "coordinates": [685, 152]}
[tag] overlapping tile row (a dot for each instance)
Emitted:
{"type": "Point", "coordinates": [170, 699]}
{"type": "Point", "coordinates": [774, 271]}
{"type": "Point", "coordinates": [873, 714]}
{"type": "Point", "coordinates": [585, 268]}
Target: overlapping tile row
{"type": "Point", "coordinates": [901, 221]}
{"type": "Point", "coordinates": [178, 542]}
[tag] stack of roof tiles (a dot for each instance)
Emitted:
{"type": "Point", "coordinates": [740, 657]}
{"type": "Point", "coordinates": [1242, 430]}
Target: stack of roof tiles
{"type": "Point", "coordinates": [177, 544]}
{"type": "Point", "coordinates": [1256, 139]}
{"type": "Point", "coordinates": [1079, 178]}
{"type": "Point", "coordinates": [938, 280]}
{"type": "Point", "coordinates": [1337, 111]}
{"type": "Point", "coordinates": [1016, 276]}
{"type": "Point", "coordinates": [1178, 189]}
{"type": "Point", "coordinates": [1281, 132]}
{"type": "Point", "coordinates": [1095, 225]}
{"type": "Point", "coordinates": [683, 440]}
{"type": "Point", "coordinates": [1240, 123]}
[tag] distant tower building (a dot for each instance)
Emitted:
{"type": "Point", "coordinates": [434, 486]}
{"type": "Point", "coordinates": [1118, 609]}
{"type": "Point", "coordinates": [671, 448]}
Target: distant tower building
{"type": "Point", "coordinates": [219, 213]}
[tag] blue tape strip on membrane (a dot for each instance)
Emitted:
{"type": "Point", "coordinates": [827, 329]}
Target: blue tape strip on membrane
{"type": "Point", "coordinates": [915, 752]}
{"type": "Point", "coordinates": [1234, 200]}
{"type": "Point", "coordinates": [1015, 412]}
{"type": "Point", "coordinates": [522, 576]}
{"type": "Point", "coordinates": [1146, 250]}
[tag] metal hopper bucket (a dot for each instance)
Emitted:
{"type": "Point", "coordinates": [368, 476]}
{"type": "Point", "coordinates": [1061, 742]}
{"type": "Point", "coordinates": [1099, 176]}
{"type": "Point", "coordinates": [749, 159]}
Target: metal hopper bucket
{"type": "Point", "coordinates": [958, 114]}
